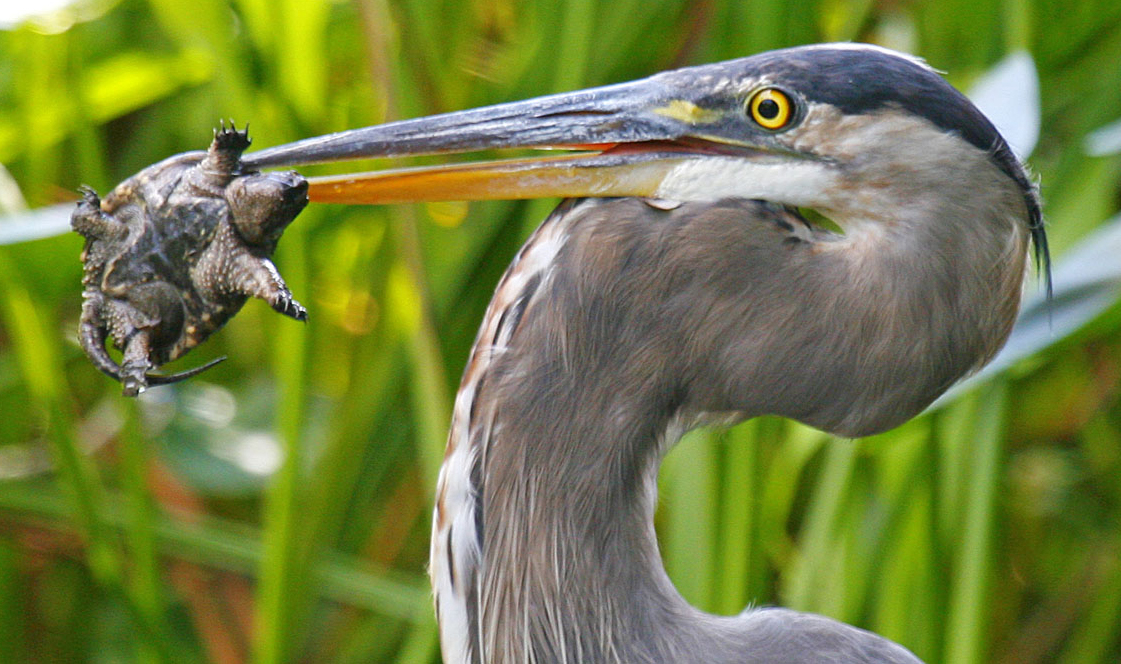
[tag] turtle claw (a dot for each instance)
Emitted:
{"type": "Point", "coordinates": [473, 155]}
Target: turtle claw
{"type": "Point", "coordinates": [89, 196]}
{"type": "Point", "coordinates": [290, 308]}
{"type": "Point", "coordinates": [231, 139]}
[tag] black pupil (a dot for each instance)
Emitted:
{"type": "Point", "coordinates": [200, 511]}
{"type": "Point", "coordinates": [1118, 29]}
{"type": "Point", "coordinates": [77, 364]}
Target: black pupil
{"type": "Point", "coordinates": [768, 109]}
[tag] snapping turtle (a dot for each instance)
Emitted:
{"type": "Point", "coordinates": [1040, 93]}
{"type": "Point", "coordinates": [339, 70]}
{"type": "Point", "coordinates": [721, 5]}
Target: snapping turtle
{"type": "Point", "coordinates": [174, 251]}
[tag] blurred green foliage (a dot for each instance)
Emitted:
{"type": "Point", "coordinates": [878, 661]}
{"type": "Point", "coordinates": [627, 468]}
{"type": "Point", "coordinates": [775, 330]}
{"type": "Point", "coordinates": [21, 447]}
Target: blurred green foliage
{"type": "Point", "coordinates": [277, 509]}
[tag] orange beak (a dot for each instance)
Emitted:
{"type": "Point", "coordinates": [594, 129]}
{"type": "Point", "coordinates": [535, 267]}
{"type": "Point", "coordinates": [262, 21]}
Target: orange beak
{"type": "Point", "coordinates": [559, 176]}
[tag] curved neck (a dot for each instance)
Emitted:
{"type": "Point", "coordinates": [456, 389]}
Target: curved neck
{"type": "Point", "coordinates": [570, 560]}
{"type": "Point", "coordinates": [559, 428]}
{"type": "Point", "coordinates": [617, 328]}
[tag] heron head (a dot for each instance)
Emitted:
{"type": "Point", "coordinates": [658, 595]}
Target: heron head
{"type": "Point", "coordinates": [867, 136]}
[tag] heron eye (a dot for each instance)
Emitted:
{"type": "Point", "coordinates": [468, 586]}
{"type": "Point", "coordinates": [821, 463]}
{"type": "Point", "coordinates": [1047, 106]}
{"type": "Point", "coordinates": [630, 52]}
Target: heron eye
{"type": "Point", "coordinates": [771, 108]}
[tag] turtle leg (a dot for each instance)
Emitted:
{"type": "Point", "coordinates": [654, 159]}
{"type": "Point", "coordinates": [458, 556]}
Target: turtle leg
{"type": "Point", "coordinates": [267, 284]}
{"type": "Point", "coordinates": [134, 376]}
{"type": "Point", "coordinates": [135, 364]}
{"type": "Point", "coordinates": [256, 276]}
{"type": "Point", "coordinates": [141, 326]}
{"type": "Point", "coordinates": [155, 316]}
{"type": "Point", "coordinates": [91, 335]}
{"type": "Point", "coordinates": [91, 222]}
{"type": "Point", "coordinates": [229, 267]}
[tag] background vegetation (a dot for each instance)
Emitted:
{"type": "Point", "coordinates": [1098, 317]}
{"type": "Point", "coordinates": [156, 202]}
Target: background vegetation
{"type": "Point", "coordinates": [277, 509]}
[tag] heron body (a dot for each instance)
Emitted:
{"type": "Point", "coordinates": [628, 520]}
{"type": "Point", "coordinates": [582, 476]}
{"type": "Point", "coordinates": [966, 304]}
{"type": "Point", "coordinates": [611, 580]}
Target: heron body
{"type": "Point", "coordinates": [699, 294]}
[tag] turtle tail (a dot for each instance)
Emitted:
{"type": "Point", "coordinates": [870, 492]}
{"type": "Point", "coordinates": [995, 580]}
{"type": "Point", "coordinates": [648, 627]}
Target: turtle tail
{"type": "Point", "coordinates": [92, 338]}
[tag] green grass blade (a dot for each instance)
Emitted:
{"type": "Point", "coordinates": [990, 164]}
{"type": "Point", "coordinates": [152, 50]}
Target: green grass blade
{"type": "Point", "coordinates": [140, 528]}
{"type": "Point", "coordinates": [1094, 640]}
{"type": "Point", "coordinates": [826, 507]}
{"type": "Point", "coordinates": [409, 298]}
{"type": "Point", "coordinates": [966, 622]}
{"type": "Point", "coordinates": [284, 563]}
{"type": "Point", "coordinates": [42, 372]}
{"type": "Point", "coordinates": [690, 486]}
{"type": "Point", "coordinates": [13, 626]}
{"type": "Point", "coordinates": [232, 547]}
{"type": "Point", "coordinates": [738, 577]}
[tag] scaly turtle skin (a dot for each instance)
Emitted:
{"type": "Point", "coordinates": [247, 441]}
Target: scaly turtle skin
{"type": "Point", "coordinates": [173, 252]}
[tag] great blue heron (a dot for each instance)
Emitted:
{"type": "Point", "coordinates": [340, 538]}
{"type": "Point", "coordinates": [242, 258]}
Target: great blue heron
{"type": "Point", "coordinates": [698, 293]}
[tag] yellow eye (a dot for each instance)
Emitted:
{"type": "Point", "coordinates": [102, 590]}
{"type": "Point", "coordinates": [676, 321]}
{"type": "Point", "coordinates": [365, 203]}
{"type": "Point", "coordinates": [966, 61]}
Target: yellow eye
{"type": "Point", "coordinates": [772, 108]}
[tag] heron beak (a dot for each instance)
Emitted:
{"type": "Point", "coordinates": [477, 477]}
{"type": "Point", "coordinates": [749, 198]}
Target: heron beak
{"type": "Point", "coordinates": [599, 174]}
{"type": "Point", "coordinates": [629, 137]}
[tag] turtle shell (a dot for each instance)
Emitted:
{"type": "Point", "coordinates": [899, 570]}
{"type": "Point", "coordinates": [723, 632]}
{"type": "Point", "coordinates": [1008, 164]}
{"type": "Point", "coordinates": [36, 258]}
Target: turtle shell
{"type": "Point", "coordinates": [173, 252]}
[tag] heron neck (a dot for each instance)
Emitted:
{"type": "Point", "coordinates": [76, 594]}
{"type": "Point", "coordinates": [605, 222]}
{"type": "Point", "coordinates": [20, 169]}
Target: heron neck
{"type": "Point", "coordinates": [570, 563]}
{"type": "Point", "coordinates": [544, 545]}
{"type": "Point", "coordinates": [617, 327]}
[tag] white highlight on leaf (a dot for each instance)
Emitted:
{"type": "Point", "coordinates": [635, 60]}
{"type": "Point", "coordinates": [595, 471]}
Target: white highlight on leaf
{"type": "Point", "coordinates": [1104, 141]}
{"type": "Point", "coordinates": [1009, 95]}
{"type": "Point", "coordinates": [255, 452]}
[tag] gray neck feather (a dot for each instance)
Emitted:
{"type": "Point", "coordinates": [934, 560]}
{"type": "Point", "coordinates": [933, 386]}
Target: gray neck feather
{"type": "Point", "coordinates": [650, 318]}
